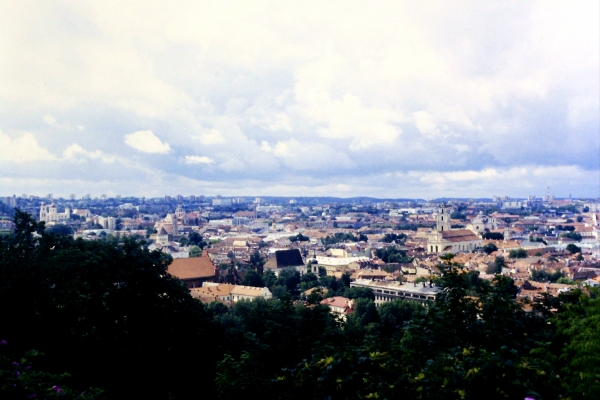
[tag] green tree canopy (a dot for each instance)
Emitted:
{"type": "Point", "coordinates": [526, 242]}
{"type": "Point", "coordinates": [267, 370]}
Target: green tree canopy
{"type": "Point", "coordinates": [518, 253]}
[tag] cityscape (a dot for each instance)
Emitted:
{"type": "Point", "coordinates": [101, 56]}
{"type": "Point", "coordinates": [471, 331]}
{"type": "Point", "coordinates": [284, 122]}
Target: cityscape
{"type": "Point", "coordinates": [323, 200]}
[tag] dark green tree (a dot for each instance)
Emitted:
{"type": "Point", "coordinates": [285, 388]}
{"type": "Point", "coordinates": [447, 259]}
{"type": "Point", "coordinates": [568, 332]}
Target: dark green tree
{"type": "Point", "coordinates": [253, 278]}
{"type": "Point", "coordinates": [518, 253]}
{"type": "Point", "coordinates": [111, 314]}
{"type": "Point", "coordinates": [490, 248]}
{"type": "Point", "coordinates": [571, 248]}
{"type": "Point", "coordinates": [60, 230]}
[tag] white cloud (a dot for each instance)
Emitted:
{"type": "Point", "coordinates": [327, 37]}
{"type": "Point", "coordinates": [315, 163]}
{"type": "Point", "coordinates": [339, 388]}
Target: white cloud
{"type": "Point", "coordinates": [424, 122]}
{"type": "Point", "coordinates": [212, 138]}
{"type": "Point", "coordinates": [76, 153]}
{"type": "Point", "coordinates": [22, 148]}
{"type": "Point", "coordinates": [273, 123]}
{"type": "Point", "coordinates": [582, 110]}
{"type": "Point", "coordinates": [147, 142]}
{"type": "Point", "coordinates": [359, 91]}
{"type": "Point", "coordinates": [264, 146]}
{"type": "Point", "coordinates": [198, 160]}
{"type": "Point", "coordinates": [53, 123]}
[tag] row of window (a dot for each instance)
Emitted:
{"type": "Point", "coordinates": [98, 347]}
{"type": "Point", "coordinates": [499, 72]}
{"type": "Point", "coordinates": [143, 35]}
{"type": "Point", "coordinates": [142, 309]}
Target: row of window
{"type": "Point", "coordinates": [401, 294]}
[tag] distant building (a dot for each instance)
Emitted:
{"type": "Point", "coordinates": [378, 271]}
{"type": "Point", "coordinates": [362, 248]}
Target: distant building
{"type": "Point", "coordinates": [9, 201]}
{"type": "Point", "coordinates": [227, 293]}
{"type": "Point", "coordinates": [48, 213]}
{"type": "Point", "coordinates": [339, 305]}
{"type": "Point", "coordinates": [194, 271]}
{"type": "Point", "coordinates": [221, 202]}
{"type": "Point", "coordinates": [443, 239]}
{"type": "Point", "coordinates": [286, 259]}
{"type": "Point", "coordinates": [388, 291]}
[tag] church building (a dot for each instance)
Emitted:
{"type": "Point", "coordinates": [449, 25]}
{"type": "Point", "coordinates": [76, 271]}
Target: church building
{"type": "Point", "coordinates": [443, 239]}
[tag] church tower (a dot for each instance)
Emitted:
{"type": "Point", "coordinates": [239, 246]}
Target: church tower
{"type": "Point", "coordinates": [443, 218]}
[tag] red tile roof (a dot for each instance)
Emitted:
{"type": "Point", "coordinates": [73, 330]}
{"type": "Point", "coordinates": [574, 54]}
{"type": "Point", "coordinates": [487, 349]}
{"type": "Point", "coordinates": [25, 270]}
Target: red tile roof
{"type": "Point", "coordinates": [193, 267]}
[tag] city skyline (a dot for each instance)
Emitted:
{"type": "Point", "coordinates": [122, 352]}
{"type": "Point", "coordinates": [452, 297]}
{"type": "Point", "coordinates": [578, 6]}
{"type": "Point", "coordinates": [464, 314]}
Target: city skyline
{"type": "Point", "coordinates": [386, 100]}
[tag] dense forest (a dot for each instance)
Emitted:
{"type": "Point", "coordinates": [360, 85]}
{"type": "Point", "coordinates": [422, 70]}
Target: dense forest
{"type": "Point", "coordinates": [103, 319]}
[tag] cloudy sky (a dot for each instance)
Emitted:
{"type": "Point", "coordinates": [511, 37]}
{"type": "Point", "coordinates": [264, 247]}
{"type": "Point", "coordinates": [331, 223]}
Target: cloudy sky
{"type": "Point", "coordinates": [349, 98]}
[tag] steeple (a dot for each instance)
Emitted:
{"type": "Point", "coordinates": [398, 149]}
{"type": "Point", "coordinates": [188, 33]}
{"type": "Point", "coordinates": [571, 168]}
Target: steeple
{"type": "Point", "coordinates": [443, 218]}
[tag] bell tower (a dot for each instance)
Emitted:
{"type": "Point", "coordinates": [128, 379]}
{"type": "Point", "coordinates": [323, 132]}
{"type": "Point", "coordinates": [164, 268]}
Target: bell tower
{"type": "Point", "coordinates": [443, 218]}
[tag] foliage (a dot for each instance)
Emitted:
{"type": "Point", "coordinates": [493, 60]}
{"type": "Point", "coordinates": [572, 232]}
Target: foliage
{"type": "Point", "coordinates": [517, 253]}
{"type": "Point", "coordinates": [299, 238]}
{"type": "Point", "coordinates": [359, 293]}
{"type": "Point", "coordinates": [392, 255]}
{"type": "Point", "coordinates": [458, 215]}
{"type": "Point", "coordinates": [111, 314]}
{"type": "Point", "coordinates": [257, 261]}
{"type": "Point", "coordinates": [542, 275]}
{"type": "Point", "coordinates": [197, 240]}
{"type": "Point", "coordinates": [569, 228]}
{"type": "Point", "coordinates": [392, 237]}
{"type": "Point", "coordinates": [490, 248]}
{"type": "Point", "coordinates": [566, 281]}
{"type": "Point", "coordinates": [497, 266]}
{"type": "Point", "coordinates": [572, 235]}
{"type": "Point", "coordinates": [195, 251]}
{"type": "Point", "coordinates": [537, 239]}
{"type": "Point", "coordinates": [571, 248]}
{"type": "Point", "coordinates": [20, 378]}
{"type": "Point", "coordinates": [579, 323]}
{"type": "Point", "coordinates": [493, 236]}
{"type": "Point", "coordinates": [308, 280]}
{"type": "Point", "coordinates": [253, 278]}
{"type": "Point", "coordinates": [60, 229]}
{"type": "Point", "coordinates": [341, 237]}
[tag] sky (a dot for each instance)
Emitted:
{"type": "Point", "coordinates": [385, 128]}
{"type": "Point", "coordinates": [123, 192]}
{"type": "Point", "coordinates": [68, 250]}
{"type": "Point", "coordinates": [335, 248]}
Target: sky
{"type": "Point", "coordinates": [394, 99]}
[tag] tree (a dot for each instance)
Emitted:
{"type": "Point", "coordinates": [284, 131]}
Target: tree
{"type": "Point", "coordinates": [289, 277]}
{"type": "Point", "coordinates": [196, 239]}
{"type": "Point", "coordinates": [392, 255]}
{"type": "Point", "coordinates": [60, 230]}
{"type": "Point", "coordinates": [542, 275]}
{"type": "Point", "coordinates": [518, 253]}
{"type": "Point", "coordinates": [458, 215]}
{"type": "Point", "coordinates": [269, 278]}
{"type": "Point", "coordinates": [308, 280]}
{"type": "Point", "coordinates": [493, 236]}
{"type": "Point", "coordinates": [497, 266]}
{"type": "Point", "coordinates": [299, 238]}
{"type": "Point", "coordinates": [359, 293]}
{"type": "Point", "coordinates": [257, 261]}
{"type": "Point", "coordinates": [113, 316]}
{"type": "Point", "coordinates": [490, 248]}
{"type": "Point", "coordinates": [571, 248]}
{"type": "Point", "coordinates": [572, 235]}
{"type": "Point", "coordinates": [195, 251]}
{"type": "Point", "coordinates": [322, 272]}
{"type": "Point", "coordinates": [392, 237]}
{"type": "Point", "coordinates": [253, 279]}
{"type": "Point", "coordinates": [447, 258]}
{"type": "Point", "coordinates": [581, 352]}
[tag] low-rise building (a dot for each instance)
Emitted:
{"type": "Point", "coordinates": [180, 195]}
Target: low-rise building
{"type": "Point", "coordinates": [339, 305]}
{"type": "Point", "coordinates": [194, 271]}
{"type": "Point", "coordinates": [388, 291]}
